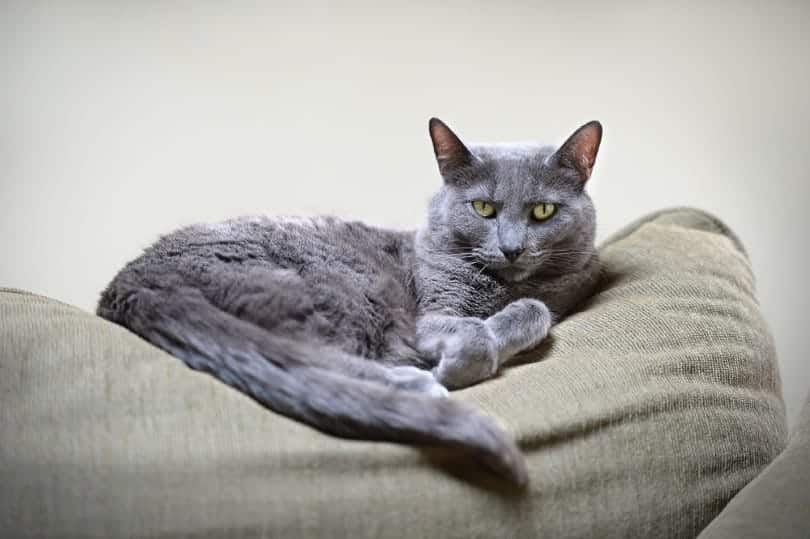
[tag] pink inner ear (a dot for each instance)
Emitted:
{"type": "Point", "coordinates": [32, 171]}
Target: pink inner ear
{"type": "Point", "coordinates": [446, 143]}
{"type": "Point", "coordinates": [450, 151]}
{"type": "Point", "coordinates": [588, 144]}
{"type": "Point", "coordinates": [444, 149]}
{"type": "Point", "coordinates": [586, 167]}
{"type": "Point", "coordinates": [584, 148]}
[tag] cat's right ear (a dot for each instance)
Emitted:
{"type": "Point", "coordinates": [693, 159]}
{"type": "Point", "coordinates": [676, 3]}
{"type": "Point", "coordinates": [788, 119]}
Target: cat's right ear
{"type": "Point", "coordinates": [451, 154]}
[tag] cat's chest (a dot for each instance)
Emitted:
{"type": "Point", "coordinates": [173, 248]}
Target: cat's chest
{"type": "Point", "coordinates": [459, 290]}
{"type": "Point", "coordinates": [468, 291]}
{"type": "Point", "coordinates": [488, 295]}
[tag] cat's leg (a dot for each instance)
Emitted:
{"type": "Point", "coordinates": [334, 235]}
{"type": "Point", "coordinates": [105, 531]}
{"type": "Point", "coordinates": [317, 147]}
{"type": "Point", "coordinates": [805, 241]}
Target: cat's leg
{"type": "Point", "coordinates": [415, 379]}
{"type": "Point", "coordinates": [471, 349]}
{"type": "Point", "coordinates": [519, 326]}
{"type": "Point", "coordinates": [464, 347]}
{"type": "Point", "coordinates": [278, 301]}
{"type": "Point", "coordinates": [405, 377]}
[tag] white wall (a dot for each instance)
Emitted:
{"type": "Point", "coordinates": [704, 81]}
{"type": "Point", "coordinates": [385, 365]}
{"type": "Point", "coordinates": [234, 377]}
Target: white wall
{"type": "Point", "coordinates": [122, 120]}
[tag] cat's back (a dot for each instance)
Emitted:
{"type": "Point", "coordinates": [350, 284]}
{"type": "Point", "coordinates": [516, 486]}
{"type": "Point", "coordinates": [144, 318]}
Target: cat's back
{"type": "Point", "coordinates": [306, 245]}
{"type": "Point", "coordinates": [345, 277]}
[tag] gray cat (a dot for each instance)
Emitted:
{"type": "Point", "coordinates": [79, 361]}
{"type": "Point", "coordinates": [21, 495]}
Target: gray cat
{"type": "Point", "coordinates": [355, 330]}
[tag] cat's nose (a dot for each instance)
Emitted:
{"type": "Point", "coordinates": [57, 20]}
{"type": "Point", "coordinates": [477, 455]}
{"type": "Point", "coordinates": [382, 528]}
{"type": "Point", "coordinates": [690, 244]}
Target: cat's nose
{"type": "Point", "coordinates": [512, 254]}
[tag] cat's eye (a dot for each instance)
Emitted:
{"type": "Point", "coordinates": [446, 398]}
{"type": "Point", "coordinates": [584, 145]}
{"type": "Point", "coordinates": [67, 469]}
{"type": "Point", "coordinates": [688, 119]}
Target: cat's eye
{"type": "Point", "coordinates": [543, 211]}
{"type": "Point", "coordinates": [484, 209]}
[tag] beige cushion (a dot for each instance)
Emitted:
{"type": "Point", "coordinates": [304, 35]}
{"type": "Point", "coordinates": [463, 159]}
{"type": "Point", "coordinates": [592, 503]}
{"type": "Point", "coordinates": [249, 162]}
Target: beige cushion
{"type": "Point", "coordinates": [641, 416]}
{"type": "Point", "coordinates": [777, 502]}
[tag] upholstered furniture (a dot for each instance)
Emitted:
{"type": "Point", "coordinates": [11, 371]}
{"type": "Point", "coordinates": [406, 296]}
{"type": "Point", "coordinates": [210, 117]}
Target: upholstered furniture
{"type": "Point", "coordinates": [643, 415]}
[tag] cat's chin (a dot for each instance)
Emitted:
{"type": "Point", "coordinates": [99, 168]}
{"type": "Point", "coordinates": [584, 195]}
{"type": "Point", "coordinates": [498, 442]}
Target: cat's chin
{"type": "Point", "coordinates": [513, 274]}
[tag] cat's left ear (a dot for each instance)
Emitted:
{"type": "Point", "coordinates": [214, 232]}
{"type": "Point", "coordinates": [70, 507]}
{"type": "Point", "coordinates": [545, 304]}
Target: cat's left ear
{"type": "Point", "coordinates": [579, 151]}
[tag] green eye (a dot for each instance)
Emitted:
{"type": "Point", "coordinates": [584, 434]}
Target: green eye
{"type": "Point", "coordinates": [543, 211]}
{"type": "Point", "coordinates": [484, 209]}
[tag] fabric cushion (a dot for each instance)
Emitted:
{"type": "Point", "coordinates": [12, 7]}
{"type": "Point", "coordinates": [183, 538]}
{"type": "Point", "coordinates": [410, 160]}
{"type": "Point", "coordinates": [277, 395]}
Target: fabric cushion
{"type": "Point", "coordinates": [642, 415]}
{"type": "Point", "coordinates": [777, 502]}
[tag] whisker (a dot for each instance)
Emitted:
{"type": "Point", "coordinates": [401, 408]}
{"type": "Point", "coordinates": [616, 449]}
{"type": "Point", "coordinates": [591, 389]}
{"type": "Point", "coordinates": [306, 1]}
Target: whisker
{"type": "Point", "coordinates": [485, 266]}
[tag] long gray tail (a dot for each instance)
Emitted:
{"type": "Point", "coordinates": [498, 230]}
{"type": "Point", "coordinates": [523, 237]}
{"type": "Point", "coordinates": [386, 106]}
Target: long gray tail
{"type": "Point", "coordinates": [274, 371]}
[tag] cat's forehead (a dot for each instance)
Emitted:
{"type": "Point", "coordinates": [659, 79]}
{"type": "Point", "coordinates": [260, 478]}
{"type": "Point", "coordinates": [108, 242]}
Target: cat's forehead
{"type": "Point", "coordinates": [513, 170]}
{"type": "Point", "coordinates": [511, 152]}
{"type": "Point", "coordinates": [514, 160]}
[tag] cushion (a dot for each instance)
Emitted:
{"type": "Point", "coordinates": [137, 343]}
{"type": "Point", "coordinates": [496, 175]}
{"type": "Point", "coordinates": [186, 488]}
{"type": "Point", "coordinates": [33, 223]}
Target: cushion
{"type": "Point", "coordinates": [641, 415]}
{"type": "Point", "coordinates": [777, 502]}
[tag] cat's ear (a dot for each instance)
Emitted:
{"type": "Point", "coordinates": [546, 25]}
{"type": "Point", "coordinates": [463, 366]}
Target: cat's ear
{"type": "Point", "coordinates": [579, 151]}
{"type": "Point", "coordinates": [451, 153]}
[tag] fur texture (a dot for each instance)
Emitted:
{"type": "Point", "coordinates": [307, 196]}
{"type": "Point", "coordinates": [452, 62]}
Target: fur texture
{"type": "Point", "coordinates": [357, 330]}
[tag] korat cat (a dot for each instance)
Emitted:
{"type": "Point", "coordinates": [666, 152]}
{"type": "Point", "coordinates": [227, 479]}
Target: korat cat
{"type": "Point", "coordinates": [356, 330]}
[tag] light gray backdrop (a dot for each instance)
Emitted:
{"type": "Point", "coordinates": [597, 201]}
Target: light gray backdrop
{"type": "Point", "coordinates": [122, 120]}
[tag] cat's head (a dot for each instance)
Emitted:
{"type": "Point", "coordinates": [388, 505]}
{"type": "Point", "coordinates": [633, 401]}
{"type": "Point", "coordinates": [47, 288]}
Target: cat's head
{"type": "Point", "coordinates": [517, 209]}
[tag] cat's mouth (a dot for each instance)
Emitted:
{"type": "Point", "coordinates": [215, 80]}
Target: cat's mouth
{"type": "Point", "coordinates": [513, 272]}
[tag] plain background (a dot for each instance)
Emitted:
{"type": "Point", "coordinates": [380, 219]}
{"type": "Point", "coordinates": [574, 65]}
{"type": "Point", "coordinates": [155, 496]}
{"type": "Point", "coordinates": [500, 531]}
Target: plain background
{"type": "Point", "coordinates": [123, 120]}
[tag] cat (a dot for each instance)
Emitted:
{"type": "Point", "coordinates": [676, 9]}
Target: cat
{"type": "Point", "coordinates": [359, 331]}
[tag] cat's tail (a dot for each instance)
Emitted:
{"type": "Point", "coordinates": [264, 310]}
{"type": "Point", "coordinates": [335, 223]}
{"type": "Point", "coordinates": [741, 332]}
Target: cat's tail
{"type": "Point", "coordinates": [275, 372]}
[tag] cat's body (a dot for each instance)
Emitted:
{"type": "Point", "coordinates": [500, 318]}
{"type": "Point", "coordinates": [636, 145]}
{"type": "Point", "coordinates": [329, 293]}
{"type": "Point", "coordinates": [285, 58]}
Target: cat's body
{"type": "Point", "coordinates": [348, 327]}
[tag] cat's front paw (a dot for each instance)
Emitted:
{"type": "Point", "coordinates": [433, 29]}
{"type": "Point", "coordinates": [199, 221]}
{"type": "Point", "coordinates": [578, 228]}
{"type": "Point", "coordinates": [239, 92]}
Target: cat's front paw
{"type": "Point", "coordinates": [415, 379]}
{"type": "Point", "coordinates": [466, 350]}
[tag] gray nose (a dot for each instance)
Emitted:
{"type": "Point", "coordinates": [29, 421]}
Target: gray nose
{"type": "Point", "coordinates": [512, 254]}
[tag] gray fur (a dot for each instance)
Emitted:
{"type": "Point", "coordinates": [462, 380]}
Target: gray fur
{"type": "Point", "coordinates": [356, 330]}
